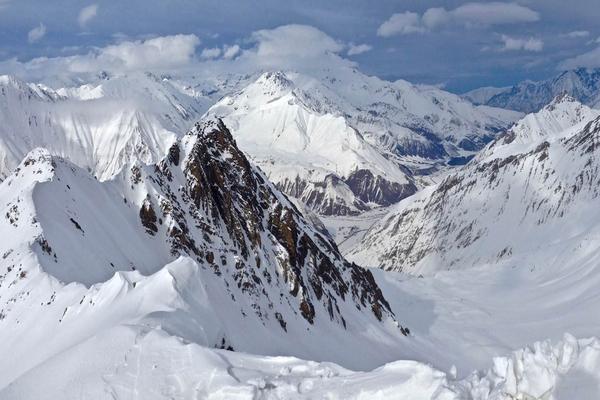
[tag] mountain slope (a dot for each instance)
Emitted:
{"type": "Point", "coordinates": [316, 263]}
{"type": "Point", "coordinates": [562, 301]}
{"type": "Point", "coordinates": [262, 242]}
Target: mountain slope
{"type": "Point", "coordinates": [532, 188]}
{"type": "Point", "coordinates": [244, 269]}
{"type": "Point", "coordinates": [582, 84]}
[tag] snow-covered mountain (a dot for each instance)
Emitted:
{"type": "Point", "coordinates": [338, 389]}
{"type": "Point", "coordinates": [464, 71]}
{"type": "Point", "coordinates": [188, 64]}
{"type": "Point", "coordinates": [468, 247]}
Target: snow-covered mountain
{"type": "Point", "coordinates": [341, 144]}
{"type": "Point", "coordinates": [100, 127]}
{"type": "Point", "coordinates": [529, 96]}
{"type": "Point", "coordinates": [360, 138]}
{"type": "Point", "coordinates": [88, 309]}
{"type": "Point", "coordinates": [200, 246]}
{"type": "Point", "coordinates": [531, 189]}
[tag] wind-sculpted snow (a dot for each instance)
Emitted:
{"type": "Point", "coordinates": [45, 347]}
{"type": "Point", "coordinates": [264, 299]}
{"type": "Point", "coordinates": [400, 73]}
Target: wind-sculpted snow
{"type": "Point", "coordinates": [533, 187]}
{"type": "Point", "coordinates": [133, 362]}
{"type": "Point", "coordinates": [245, 270]}
{"type": "Point", "coordinates": [344, 144]}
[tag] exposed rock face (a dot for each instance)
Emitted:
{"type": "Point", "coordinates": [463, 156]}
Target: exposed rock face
{"type": "Point", "coordinates": [330, 197]}
{"type": "Point", "coordinates": [375, 189]}
{"type": "Point", "coordinates": [226, 210]}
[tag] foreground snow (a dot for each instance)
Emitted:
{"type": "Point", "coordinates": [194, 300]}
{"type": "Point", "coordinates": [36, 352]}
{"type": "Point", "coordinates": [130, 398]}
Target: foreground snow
{"type": "Point", "coordinates": [128, 362]}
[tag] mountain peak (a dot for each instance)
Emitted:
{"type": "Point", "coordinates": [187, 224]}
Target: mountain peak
{"type": "Point", "coordinates": [38, 161]}
{"type": "Point", "coordinates": [563, 97]}
{"type": "Point", "coordinates": [277, 79]}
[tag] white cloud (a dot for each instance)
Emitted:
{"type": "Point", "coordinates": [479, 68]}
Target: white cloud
{"type": "Point", "coordinates": [36, 33]}
{"type": "Point", "coordinates": [494, 13]}
{"type": "Point", "coordinates": [210, 53]}
{"type": "Point", "coordinates": [230, 52]}
{"type": "Point", "coordinates": [294, 40]}
{"type": "Point", "coordinates": [356, 49]}
{"type": "Point", "coordinates": [522, 44]}
{"type": "Point", "coordinates": [401, 24]}
{"type": "Point", "coordinates": [87, 14]}
{"type": "Point", "coordinates": [575, 34]}
{"type": "Point", "coordinates": [156, 54]}
{"type": "Point", "coordinates": [227, 52]}
{"type": "Point", "coordinates": [291, 47]}
{"type": "Point", "coordinates": [468, 15]}
{"type": "Point", "coordinates": [591, 59]}
{"type": "Point", "coordinates": [160, 52]}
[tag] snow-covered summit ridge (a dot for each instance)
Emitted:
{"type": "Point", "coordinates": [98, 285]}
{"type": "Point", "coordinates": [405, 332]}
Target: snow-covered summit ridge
{"type": "Point", "coordinates": [561, 117]}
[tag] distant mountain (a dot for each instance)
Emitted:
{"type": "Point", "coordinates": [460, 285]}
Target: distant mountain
{"type": "Point", "coordinates": [342, 145]}
{"type": "Point", "coordinates": [582, 84]}
{"type": "Point", "coordinates": [530, 190]}
{"type": "Point", "coordinates": [344, 142]}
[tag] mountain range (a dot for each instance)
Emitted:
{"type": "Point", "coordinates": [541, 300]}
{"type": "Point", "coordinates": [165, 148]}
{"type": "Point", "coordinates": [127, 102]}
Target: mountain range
{"type": "Point", "coordinates": [529, 189]}
{"type": "Point", "coordinates": [362, 139]}
{"type": "Point", "coordinates": [188, 237]}
{"type": "Point", "coordinates": [582, 84]}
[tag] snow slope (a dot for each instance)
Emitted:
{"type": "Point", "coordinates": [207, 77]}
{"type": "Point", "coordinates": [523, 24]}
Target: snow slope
{"type": "Point", "coordinates": [532, 188]}
{"type": "Point", "coordinates": [359, 136]}
{"type": "Point", "coordinates": [129, 362]}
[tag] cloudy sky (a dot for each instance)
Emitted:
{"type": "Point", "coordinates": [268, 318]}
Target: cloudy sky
{"type": "Point", "coordinates": [460, 45]}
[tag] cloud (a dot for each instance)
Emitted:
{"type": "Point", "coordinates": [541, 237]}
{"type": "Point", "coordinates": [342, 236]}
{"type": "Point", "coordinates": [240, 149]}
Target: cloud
{"type": "Point", "coordinates": [87, 14]}
{"type": "Point", "coordinates": [522, 44]}
{"type": "Point", "coordinates": [36, 33]}
{"type": "Point", "coordinates": [156, 54]}
{"type": "Point", "coordinates": [294, 40]}
{"type": "Point", "coordinates": [298, 48]}
{"type": "Point", "coordinates": [467, 15]}
{"type": "Point", "coordinates": [358, 49]}
{"type": "Point", "coordinates": [575, 34]}
{"type": "Point", "coordinates": [160, 52]}
{"type": "Point", "coordinates": [210, 53]}
{"type": "Point", "coordinates": [401, 24]}
{"type": "Point", "coordinates": [230, 52]}
{"type": "Point", "coordinates": [227, 52]}
{"type": "Point", "coordinates": [591, 59]}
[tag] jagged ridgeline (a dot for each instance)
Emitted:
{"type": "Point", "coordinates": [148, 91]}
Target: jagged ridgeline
{"type": "Point", "coordinates": [212, 204]}
{"type": "Point", "coordinates": [203, 201]}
